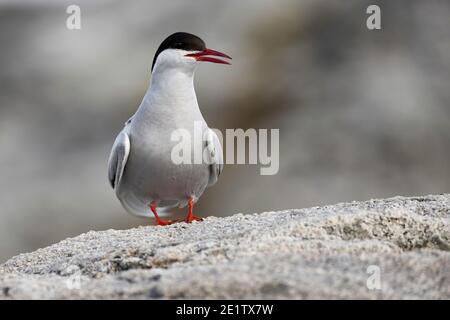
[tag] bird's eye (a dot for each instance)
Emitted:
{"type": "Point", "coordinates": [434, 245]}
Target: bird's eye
{"type": "Point", "coordinates": [178, 45]}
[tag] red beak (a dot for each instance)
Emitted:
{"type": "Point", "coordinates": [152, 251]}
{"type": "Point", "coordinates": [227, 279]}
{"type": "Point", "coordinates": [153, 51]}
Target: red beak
{"type": "Point", "coordinates": [202, 56]}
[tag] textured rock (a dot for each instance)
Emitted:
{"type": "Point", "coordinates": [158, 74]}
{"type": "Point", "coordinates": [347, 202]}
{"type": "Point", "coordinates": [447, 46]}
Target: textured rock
{"type": "Point", "coordinates": [320, 252]}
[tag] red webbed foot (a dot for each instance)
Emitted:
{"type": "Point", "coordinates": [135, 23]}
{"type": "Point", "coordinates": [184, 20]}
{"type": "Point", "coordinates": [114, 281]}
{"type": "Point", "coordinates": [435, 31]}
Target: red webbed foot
{"type": "Point", "coordinates": [191, 217]}
{"type": "Point", "coordinates": [159, 221]}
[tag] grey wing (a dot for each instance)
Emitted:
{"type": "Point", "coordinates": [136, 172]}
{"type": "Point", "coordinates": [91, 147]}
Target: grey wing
{"type": "Point", "coordinates": [118, 158]}
{"type": "Point", "coordinates": [215, 156]}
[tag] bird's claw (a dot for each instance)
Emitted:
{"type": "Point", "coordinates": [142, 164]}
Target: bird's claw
{"type": "Point", "coordinates": [161, 222]}
{"type": "Point", "coordinates": [189, 219]}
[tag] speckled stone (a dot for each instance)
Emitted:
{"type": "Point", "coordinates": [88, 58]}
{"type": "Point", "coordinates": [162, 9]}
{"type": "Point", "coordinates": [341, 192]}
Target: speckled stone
{"type": "Point", "coordinates": [315, 253]}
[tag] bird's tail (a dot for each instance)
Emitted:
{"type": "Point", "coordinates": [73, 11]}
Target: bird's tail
{"type": "Point", "coordinates": [138, 207]}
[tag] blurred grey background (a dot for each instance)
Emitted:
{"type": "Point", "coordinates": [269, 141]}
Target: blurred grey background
{"type": "Point", "coordinates": [362, 114]}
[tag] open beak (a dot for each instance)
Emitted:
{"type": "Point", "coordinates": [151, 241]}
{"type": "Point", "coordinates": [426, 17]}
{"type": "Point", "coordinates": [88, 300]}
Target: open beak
{"type": "Point", "coordinates": [203, 56]}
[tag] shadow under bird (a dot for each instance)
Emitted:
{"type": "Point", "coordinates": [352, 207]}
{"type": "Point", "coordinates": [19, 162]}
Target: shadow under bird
{"type": "Point", "coordinates": [140, 167]}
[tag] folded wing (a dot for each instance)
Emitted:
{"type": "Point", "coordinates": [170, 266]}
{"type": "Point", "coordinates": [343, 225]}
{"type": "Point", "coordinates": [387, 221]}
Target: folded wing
{"type": "Point", "coordinates": [215, 154]}
{"type": "Point", "coordinates": [118, 158]}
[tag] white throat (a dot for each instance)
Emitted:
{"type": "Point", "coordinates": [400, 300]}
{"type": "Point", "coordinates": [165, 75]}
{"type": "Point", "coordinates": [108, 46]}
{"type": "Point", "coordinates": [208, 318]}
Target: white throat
{"type": "Point", "coordinates": [172, 80]}
{"type": "Point", "coordinates": [171, 98]}
{"type": "Point", "coordinates": [172, 88]}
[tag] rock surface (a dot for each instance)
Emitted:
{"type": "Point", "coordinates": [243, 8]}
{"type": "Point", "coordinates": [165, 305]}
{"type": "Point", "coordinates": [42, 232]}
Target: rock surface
{"type": "Point", "coordinates": [338, 251]}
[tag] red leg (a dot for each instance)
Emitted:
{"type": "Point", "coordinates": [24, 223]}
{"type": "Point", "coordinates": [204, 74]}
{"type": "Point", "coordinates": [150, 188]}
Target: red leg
{"type": "Point", "coordinates": [191, 216]}
{"type": "Point", "coordinates": [159, 221]}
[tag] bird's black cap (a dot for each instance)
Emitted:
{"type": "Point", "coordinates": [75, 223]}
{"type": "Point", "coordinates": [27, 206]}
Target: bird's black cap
{"type": "Point", "coordinates": [180, 40]}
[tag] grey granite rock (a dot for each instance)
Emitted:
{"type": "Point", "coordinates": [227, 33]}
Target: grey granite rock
{"type": "Point", "coordinates": [379, 249]}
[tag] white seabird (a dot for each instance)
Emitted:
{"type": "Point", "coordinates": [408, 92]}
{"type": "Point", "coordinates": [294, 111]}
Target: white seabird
{"type": "Point", "coordinates": [140, 167]}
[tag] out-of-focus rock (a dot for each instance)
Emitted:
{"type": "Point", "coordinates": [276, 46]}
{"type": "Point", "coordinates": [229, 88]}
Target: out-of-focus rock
{"type": "Point", "coordinates": [379, 249]}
